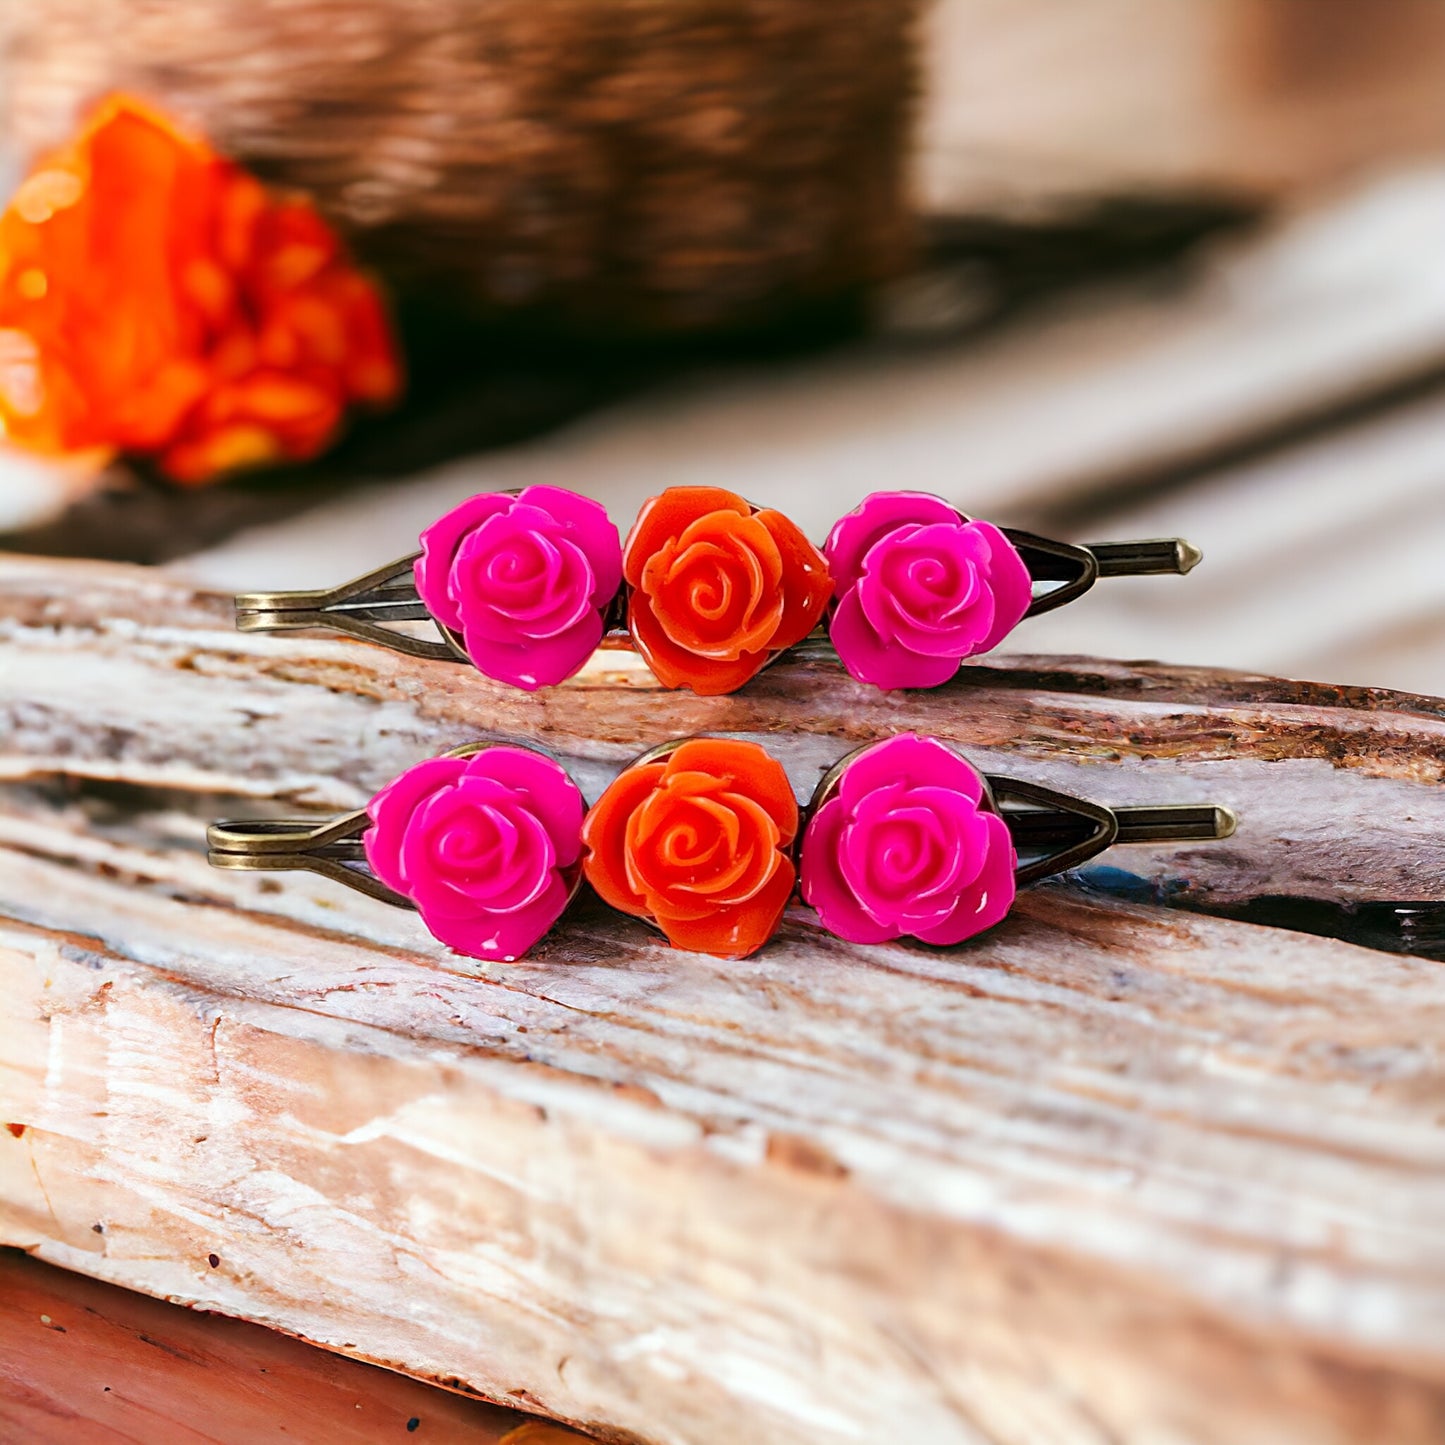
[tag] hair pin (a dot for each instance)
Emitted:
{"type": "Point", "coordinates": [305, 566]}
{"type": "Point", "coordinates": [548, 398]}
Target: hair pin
{"type": "Point", "coordinates": [708, 588]}
{"type": "Point", "coordinates": [703, 839]}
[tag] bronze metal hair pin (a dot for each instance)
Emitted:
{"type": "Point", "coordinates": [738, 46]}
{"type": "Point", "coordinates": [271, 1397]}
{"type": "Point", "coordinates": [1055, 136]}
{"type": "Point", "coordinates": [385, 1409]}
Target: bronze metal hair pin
{"type": "Point", "coordinates": [709, 588]}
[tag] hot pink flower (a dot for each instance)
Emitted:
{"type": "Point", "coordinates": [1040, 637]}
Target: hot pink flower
{"type": "Point", "coordinates": [918, 588]}
{"type": "Point", "coordinates": [486, 847]}
{"type": "Point", "coordinates": [908, 846]}
{"type": "Point", "coordinates": [526, 580]}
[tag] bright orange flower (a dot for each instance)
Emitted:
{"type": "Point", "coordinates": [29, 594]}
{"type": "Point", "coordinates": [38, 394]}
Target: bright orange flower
{"type": "Point", "coordinates": [156, 299]}
{"type": "Point", "coordinates": [699, 844]}
{"type": "Point", "coordinates": [718, 587]}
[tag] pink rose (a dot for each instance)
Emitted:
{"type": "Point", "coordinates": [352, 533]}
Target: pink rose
{"type": "Point", "coordinates": [918, 588]}
{"type": "Point", "coordinates": [487, 847]}
{"type": "Point", "coordinates": [908, 845]}
{"type": "Point", "coordinates": [527, 581]}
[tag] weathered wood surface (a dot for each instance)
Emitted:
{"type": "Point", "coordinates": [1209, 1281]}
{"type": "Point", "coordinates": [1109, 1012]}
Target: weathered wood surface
{"type": "Point", "coordinates": [1112, 1173]}
{"type": "Point", "coordinates": [83, 1362]}
{"type": "Point", "coordinates": [1059, 1186]}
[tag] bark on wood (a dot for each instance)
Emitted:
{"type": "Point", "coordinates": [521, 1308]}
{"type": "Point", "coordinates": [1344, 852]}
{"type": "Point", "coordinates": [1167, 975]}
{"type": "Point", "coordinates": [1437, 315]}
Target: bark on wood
{"type": "Point", "coordinates": [1059, 1185]}
{"type": "Point", "coordinates": [84, 1361]}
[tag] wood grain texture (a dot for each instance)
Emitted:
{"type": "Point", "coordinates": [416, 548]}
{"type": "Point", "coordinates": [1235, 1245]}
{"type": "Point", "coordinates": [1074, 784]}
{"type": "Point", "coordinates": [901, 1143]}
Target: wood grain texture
{"type": "Point", "coordinates": [1062, 1185]}
{"type": "Point", "coordinates": [83, 1362]}
{"type": "Point", "coordinates": [1111, 1173]}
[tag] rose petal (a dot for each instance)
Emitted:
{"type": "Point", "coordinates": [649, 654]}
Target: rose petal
{"type": "Point", "coordinates": [604, 836]}
{"type": "Point", "coordinates": [509, 875]}
{"type": "Point", "coordinates": [871, 659]}
{"type": "Point", "coordinates": [823, 886]}
{"type": "Point", "coordinates": [439, 545]}
{"type": "Point", "coordinates": [964, 838]}
{"type": "Point", "coordinates": [807, 582]}
{"type": "Point", "coordinates": [876, 515]}
{"type": "Point", "coordinates": [1010, 583]}
{"type": "Point", "coordinates": [946, 619]}
{"type": "Point", "coordinates": [675, 666]}
{"type": "Point", "coordinates": [727, 869]}
{"type": "Point", "coordinates": [664, 518]}
{"type": "Point", "coordinates": [931, 830]}
{"type": "Point", "coordinates": [746, 768]}
{"type": "Point", "coordinates": [392, 809]}
{"type": "Point", "coordinates": [912, 760]}
{"type": "Point", "coordinates": [548, 789]}
{"type": "Point", "coordinates": [504, 937]}
{"type": "Point", "coordinates": [988, 898]}
{"type": "Point", "coordinates": [591, 528]}
{"type": "Point", "coordinates": [716, 590]}
{"type": "Point", "coordinates": [555, 595]}
{"type": "Point", "coordinates": [414, 863]}
{"type": "Point", "coordinates": [660, 882]}
{"type": "Point", "coordinates": [891, 560]}
{"type": "Point", "coordinates": [737, 931]}
{"type": "Point", "coordinates": [539, 663]}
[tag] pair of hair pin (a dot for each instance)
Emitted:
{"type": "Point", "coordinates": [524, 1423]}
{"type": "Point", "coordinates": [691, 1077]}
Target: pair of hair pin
{"type": "Point", "coordinates": [708, 588]}
{"type": "Point", "coordinates": [703, 838]}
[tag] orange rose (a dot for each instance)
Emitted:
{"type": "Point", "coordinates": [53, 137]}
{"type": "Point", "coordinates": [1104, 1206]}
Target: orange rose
{"type": "Point", "coordinates": [718, 588]}
{"type": "Point", "coordinates": [698, 844]}
{"type": "Point", "coordinates": [156, 299]}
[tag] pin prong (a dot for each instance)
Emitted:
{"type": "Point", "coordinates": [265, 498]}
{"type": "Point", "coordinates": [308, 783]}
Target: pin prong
{"type": "Point", "coordinates": [363, 607]}
{"type": "Point", "coordinates": [332, 848]}
{"type": "Point", "coordinates": [1152, 557]}
{"type": "Point", "coordinates": [1175, 823]}
{"type": "Point", "coordinates": [1161, 823]}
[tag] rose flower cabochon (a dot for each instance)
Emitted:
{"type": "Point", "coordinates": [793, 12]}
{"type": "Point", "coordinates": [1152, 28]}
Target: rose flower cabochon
{"type": "Point", "coordinates": [485, 846]}
{"type": "Point", "coordinates": [158, 301]}
{"type": "Point", "coordinates": [698, 842]}
{"type": "Point", "coordinates": [918, 588]}
{"type": "Point", "coordinates": [718, 587]}
{"type": "Point", "coordinates": [525, 581]}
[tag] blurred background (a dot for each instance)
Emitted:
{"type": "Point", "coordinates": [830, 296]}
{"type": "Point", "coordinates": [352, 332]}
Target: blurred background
{"type": "Point", "coordinates": [1099, 268]}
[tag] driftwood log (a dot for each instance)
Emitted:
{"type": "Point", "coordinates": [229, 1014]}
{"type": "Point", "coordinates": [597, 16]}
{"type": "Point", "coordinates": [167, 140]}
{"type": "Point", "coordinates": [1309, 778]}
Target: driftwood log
{"type": "Point", "coordinates": [85, 1361]}
{"type": "Point", "coordinates": [1114, 1172]}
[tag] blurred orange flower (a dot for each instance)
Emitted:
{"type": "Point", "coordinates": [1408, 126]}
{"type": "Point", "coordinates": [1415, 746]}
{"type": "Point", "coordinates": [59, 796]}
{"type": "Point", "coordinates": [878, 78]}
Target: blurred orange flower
{"type": "Point", "coordinates": [156, 299]}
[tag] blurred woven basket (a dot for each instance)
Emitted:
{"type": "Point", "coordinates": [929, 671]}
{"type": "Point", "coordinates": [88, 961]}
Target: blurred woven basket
{"type": "Point", "coordinates": [625, 165]}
